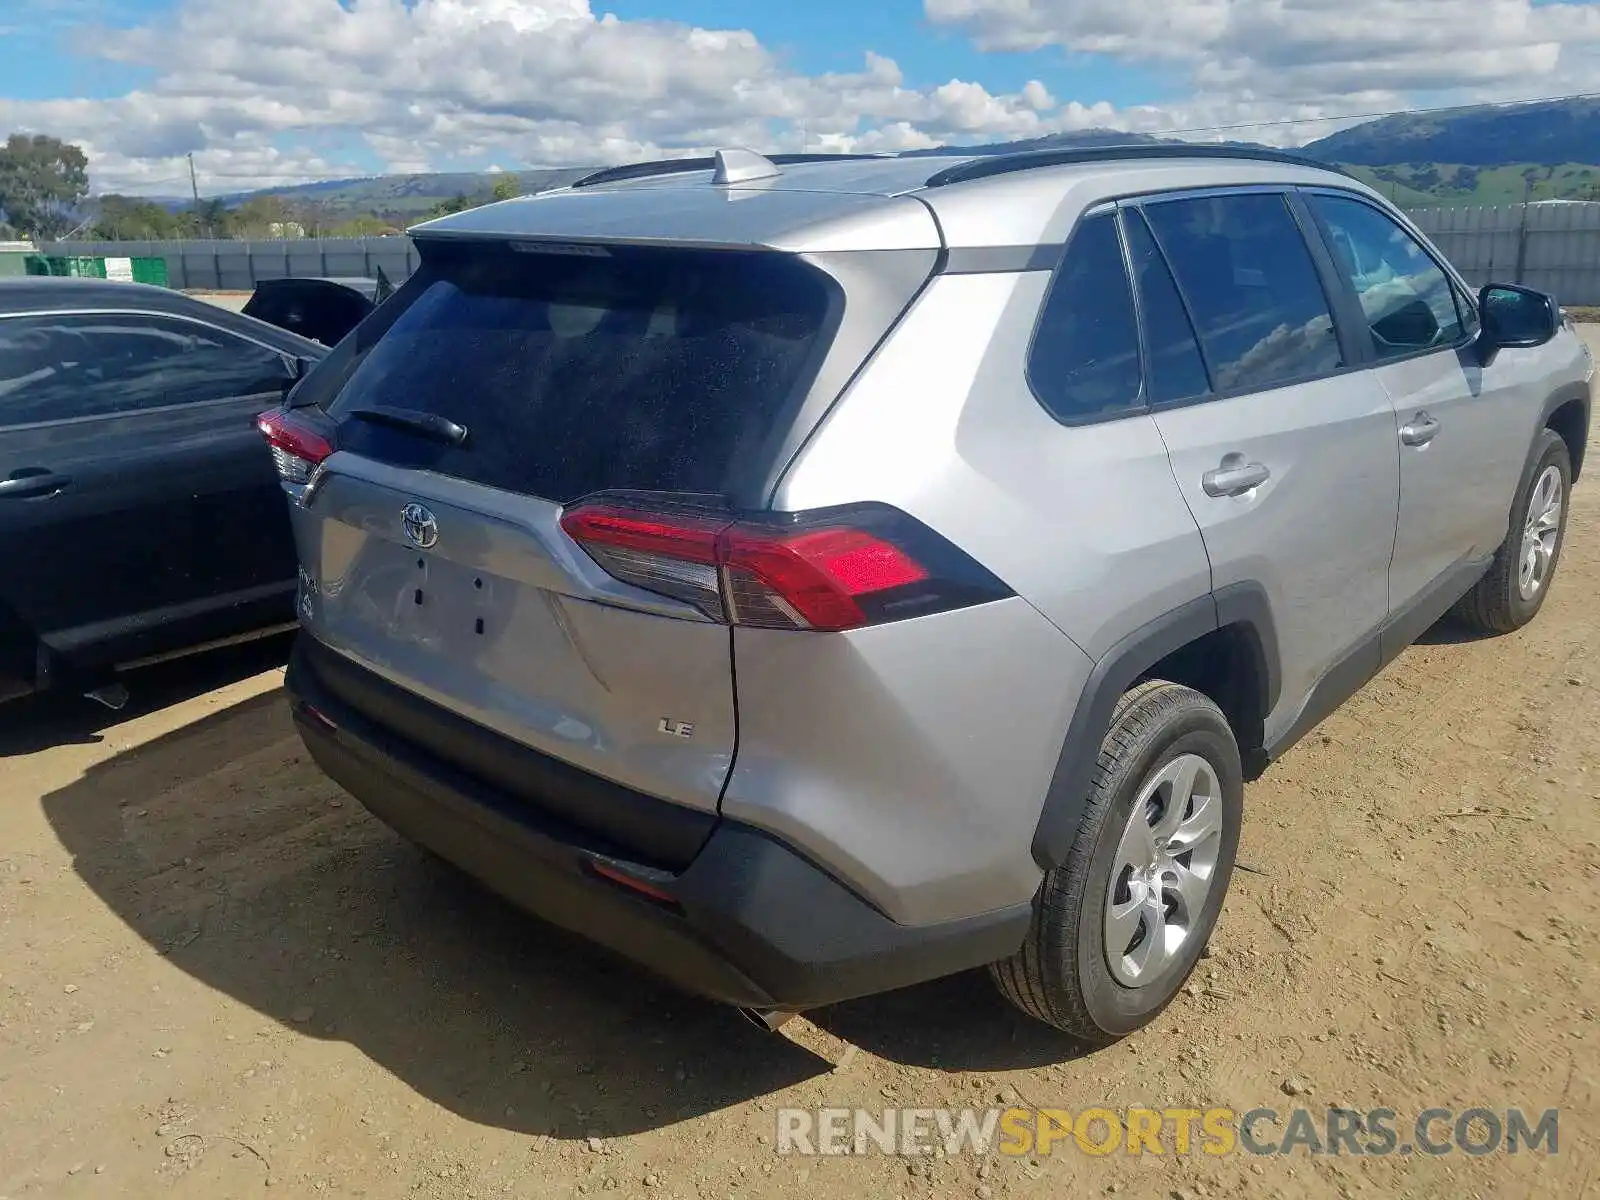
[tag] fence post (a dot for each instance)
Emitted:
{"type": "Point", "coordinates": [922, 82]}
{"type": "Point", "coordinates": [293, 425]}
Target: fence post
{"type": "Point", "coordinates": [1522, 243]}
{"type": "Point", "coordinates": [216, 263]}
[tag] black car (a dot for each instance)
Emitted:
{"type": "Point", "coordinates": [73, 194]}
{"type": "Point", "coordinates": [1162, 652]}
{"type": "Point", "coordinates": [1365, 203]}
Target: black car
{"type": "Point", "coordinates": [140, 514]}
{"type": "Point", "coordinates": [323, 309]}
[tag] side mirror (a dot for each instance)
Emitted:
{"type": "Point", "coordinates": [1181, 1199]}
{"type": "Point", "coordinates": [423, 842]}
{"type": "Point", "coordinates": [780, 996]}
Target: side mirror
{"type": "Point", "coordinates": [1516, 316]}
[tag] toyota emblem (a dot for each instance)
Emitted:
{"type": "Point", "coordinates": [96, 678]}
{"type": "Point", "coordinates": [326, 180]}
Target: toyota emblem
{"type": "Point", "coordinates": [422, 530]}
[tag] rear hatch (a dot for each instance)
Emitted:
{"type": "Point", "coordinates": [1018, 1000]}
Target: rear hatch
{"type": "Point", "coordinates": [509, 384]}
{"type": "Point", "coordinates": [323, 310]}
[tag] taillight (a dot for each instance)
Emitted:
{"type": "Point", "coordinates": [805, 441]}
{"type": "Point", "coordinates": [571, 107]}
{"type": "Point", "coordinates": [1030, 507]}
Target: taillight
{"type": "Point", "coordinates": [297, 448]}
{"type": "Point", "coordinates": [825, 571]}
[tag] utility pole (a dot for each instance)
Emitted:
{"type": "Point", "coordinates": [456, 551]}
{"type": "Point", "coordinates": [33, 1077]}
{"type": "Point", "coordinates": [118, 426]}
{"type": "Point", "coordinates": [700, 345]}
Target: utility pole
{"type": "Point", "coordinates": [194, 188]}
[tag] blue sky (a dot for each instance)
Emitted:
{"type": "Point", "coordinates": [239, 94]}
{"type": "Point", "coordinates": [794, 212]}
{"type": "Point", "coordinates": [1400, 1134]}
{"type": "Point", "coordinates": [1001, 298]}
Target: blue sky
{"type": "Point", "coordinates": [38, 62]}
{"type": "Point", "coordinates": [269, 92]}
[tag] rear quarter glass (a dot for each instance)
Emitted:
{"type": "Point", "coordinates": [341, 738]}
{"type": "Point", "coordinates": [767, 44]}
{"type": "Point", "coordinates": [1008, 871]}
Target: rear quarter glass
{"type": "Point", "coordinates": [647, 369]}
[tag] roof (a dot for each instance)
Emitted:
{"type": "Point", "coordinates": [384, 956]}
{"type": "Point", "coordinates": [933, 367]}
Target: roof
{"type": "Point", "coordinates": [355, 283]}
{"type": "Point", "coordinates": [817, 204]}
{"type": "Point", "coordinates": [23, 292]}
{"type": "Point", "coordinates": [56, 293]}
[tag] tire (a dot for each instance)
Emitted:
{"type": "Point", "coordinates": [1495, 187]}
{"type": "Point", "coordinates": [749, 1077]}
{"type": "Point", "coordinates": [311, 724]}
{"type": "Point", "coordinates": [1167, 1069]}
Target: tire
{"type": "Point", "coordinates": [1067, 974]}
{"type": "Point", "coordinates": [1502, 602]}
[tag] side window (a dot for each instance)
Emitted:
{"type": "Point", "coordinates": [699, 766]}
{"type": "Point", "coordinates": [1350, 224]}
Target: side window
{"type": "Point", "coordinates": [1177, 372]}
{"type": "Point", "coordinates": [1085, 356]}
{"type": "Point", "coordinates": [1252, 287]}
{"type": "Point", "coordinates": [1408, 300]}
{"type": "Point", "coordinates": [59, 367]}
{"type": "Point", "coordinates": [42, 371]}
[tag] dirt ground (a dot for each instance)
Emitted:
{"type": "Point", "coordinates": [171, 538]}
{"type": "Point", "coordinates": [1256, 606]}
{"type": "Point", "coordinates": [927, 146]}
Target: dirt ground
{"type": "Point", "coordinates": [219, 977]}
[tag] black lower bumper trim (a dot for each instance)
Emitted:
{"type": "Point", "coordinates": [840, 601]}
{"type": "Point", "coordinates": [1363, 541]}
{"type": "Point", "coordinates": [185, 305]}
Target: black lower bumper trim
{"type": "Point", "coordinates": [748, 922]}
{"type": "Point", "coordinates": [604, 814]}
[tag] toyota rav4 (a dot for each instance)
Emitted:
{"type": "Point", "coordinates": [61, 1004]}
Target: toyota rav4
{"type": "Point", "coordinates": [814, 575]}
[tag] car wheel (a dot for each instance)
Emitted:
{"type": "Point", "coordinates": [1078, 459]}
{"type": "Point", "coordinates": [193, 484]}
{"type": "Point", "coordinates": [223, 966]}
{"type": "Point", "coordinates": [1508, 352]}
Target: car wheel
{"type": "Point", "coordinates": [1513, 589]}
{"type": "Point", "coordinates": [1119, 925]}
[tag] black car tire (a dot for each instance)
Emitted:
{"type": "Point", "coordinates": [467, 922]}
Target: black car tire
{"type": "Point", "coordinates": [1496, 603]}
{"type": "Point", "coordinates": [1063, 974]}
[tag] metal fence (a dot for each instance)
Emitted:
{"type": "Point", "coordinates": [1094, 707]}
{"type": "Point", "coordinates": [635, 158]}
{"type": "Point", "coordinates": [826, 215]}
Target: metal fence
{"type": "Point", "coordinates": [237, 265]}
{"type": "Point", "coordinates": [1553, 247]}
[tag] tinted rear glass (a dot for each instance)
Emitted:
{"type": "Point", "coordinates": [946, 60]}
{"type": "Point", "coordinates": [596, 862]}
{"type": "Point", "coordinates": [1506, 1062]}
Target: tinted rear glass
{"type": "Point", "coordinates": [647, 369]}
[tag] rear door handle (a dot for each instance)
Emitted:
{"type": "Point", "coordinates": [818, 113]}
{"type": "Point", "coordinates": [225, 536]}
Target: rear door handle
{"type": "Point", "coordinates": [32, 481]}
{"type": "Point", "coordinates": [1420, 430]}
{"type": "Point", "coordinates": [1234, 477]}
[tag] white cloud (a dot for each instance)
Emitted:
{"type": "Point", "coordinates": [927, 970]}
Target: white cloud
{"type": "Point", "coordinates": [431, 84]}
{"type": "Point", "coordinates": [1308, 51]}
{"type": "Point", "coordinates": [518, 82]}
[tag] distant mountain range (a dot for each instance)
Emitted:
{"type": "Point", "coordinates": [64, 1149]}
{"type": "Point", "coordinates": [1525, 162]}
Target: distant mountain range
{"type": "Point", "coordinates": [1551, 133]}
{"type": "Point", "coordinates": [1492, 154]}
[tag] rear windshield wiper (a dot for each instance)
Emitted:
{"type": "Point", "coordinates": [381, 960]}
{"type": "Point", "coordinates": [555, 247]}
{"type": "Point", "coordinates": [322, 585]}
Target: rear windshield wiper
{"type": "Point", "coordinates": [427, 424]}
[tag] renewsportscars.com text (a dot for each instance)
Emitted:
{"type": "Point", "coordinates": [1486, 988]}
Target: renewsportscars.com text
{"type": "Point", "coordinates": [1376, 1132]}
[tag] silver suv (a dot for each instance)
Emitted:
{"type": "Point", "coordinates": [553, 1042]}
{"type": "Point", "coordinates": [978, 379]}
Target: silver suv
{"type": "Point", "coordinates": [811, 576]}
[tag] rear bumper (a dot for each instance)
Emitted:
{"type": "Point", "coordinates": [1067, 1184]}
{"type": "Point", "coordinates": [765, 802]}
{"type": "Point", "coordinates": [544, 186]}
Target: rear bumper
{"type": "Point", "coordinates": [748, 921]}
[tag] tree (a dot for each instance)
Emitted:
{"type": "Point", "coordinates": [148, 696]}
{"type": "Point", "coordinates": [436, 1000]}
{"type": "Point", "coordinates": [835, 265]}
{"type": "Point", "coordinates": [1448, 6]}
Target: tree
{"type": "Point", "coordinates": [460, 202]}
{"type": "Point", "coordinates": [212, 219]}
{"type": "Point", "coordinates": [128, 218]}
{"type": "Point", "coordinates": [261, 216]}
{"type": "Point", "coordinates": [312, 215]}
{"type": "Point", "coordinates": [41, 179]}
{"type": "Point", "coordinates": [364, 225]}
{"type": "Point", "coordinates": [506, 187]}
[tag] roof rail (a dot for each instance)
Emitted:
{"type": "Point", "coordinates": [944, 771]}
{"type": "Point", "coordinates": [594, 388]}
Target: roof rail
{"type": "Point", "coordinates": [676, 166]}
{"type": "Point", "coordinates": [985, 166]}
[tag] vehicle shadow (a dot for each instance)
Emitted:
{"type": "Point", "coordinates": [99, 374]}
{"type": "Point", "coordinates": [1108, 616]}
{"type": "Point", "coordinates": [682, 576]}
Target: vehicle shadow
{"type": "Point", "coordinates": [223, 846]}
{"type": "Point", "coordinates": [1448, 631]}
{"type": "Point", "coordinates": [63, 718]}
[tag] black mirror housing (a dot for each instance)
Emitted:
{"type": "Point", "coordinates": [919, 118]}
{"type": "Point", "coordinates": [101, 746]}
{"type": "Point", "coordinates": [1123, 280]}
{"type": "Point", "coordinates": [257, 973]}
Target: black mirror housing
{"type": "Point", "coordinates": [1515, 317]}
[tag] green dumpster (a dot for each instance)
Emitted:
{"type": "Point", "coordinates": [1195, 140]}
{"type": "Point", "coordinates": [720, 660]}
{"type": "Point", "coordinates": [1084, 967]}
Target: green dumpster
{"type": "Point", "coordinates": [152, 269]}
{"type": "Point", "coordinates": [76, 266]}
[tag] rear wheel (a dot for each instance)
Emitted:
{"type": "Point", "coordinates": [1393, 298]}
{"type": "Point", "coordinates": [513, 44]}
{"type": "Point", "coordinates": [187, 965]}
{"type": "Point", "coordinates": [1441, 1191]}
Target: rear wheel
{"type": "Point", "coordinates": [1513, 589]}
{"type": "Point", "coordinates": [1120, 924]}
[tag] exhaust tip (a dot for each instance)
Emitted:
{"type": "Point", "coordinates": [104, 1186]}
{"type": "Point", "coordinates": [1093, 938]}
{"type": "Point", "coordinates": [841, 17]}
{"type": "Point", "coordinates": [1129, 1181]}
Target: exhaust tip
{"type": "Point", "coordinates": [770, 1020]}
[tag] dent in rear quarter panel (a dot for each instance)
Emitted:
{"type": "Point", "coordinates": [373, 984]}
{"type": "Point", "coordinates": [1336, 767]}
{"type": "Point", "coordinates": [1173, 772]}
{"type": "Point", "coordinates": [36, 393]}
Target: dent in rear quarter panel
{"type": "Point", "coordinates": [905, 758]}
{"type": "Point", "coordinates": [913, 758]}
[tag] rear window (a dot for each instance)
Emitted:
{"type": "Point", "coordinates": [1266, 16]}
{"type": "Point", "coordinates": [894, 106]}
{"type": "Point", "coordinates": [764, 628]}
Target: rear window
{"type": "Point", "coordinates": [649, 369]}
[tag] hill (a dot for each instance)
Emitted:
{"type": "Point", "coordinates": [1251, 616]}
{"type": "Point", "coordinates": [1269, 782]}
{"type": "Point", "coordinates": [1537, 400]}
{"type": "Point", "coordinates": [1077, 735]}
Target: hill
{"type": "Point", "coordinates": [408, 195]}
{"type": "Point", "coordinates": [1431, 184]}
{"type": "Point", "coordinates": [1548, 133]}
{"type": "Point", "coordinates": [1489, 154]}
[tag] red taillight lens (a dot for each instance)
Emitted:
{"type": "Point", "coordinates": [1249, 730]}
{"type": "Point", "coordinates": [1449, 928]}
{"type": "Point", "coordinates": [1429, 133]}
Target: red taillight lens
{"type": "Point", "coordinates": [823, 572]}
{"type": "Point", "coordinates": [809, 580]}
{"type": "Point", "coordinates": [674, 556]}
{"type": "Point", "coordinates": [297, 448]}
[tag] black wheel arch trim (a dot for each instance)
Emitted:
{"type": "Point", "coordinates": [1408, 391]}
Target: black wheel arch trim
{"type": "Point", "coordinates": [1243, 605]}
{"type": "Point", "coordinates": [1559, 399]}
